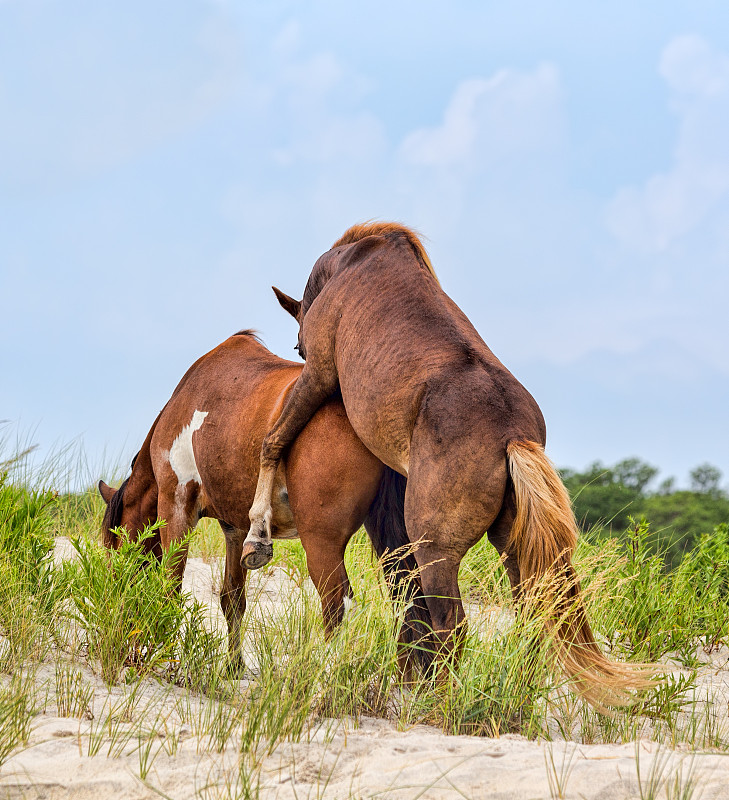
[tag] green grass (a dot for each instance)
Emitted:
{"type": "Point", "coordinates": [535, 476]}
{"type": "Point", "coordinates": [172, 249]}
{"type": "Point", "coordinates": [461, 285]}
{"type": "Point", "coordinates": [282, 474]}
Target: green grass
{"type": "Point", "coordinates": [130, 612]}
{"type": "Point", "coordinates": [18, 705]}
{"type": "Point", "coordinates": [118, 617]}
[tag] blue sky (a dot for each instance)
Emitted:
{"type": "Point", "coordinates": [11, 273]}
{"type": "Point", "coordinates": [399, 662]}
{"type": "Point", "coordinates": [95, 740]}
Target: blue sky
{"type": "Point", "coordinates": [163, 163]}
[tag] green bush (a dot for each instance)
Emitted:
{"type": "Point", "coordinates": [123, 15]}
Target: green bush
{"type": "Point", "coordinates": [30, 589]}
{"type": "Point", "coordinates": [130, 608]}
{"type": "Point", "coordinates": [647, 610]}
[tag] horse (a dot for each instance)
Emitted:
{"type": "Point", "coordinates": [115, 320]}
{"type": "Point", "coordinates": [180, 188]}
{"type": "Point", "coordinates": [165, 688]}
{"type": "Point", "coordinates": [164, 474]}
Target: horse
{"type": "Point", "coordinates": [426, 395]}
{"type": "Point", "coordinates": [200, 459]}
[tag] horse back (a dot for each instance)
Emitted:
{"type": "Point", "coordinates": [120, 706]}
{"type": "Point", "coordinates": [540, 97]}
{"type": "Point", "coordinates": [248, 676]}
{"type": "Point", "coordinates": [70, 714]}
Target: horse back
{"type": "Point", "coordinates": [212, 428]}
{"type": "Point", "coordinates": [399, 341]}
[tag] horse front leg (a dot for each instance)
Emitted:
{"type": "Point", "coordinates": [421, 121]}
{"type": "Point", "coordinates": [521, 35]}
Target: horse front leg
{"type": "Point", "coordinates": [178, 516]}
{"type": "Point", "coordinates": [257, 548]}
{"type": "Point", "coordinates": [233, 594]}
{"type": "Point", "coordinates": [309, 392]}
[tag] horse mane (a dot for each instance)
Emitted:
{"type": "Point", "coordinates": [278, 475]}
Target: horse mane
{"type": "Point", "coordinates": [250, 332]}
{"type": "Point", "coordinates": [364, 229]}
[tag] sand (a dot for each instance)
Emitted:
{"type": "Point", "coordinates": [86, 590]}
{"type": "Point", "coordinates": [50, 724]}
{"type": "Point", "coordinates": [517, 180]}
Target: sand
{"type": "Point", "coordinates": [340, 758]}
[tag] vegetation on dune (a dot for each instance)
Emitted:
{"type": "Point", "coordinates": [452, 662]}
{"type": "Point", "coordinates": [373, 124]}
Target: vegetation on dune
{"type": "Point", "coordinates": [130, 613]}
{"type": "Point", "coordinates": [119, 616]}
{"type": "Point", "coordinates": [606, 498]}
{"type": "Point", "coordinates": [29, 581]}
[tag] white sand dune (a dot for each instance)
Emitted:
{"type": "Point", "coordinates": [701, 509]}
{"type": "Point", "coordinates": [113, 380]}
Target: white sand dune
{"type": "Point", "coordinates": [341, 759]}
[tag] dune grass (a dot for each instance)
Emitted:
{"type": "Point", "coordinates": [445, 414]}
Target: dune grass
{"type": "Point", "coordinates": [118, 617]}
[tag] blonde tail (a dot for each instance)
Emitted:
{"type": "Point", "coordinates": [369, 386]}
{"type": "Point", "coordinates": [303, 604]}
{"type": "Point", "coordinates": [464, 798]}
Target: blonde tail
{"type": "Point", "coordinates": [543, 538]}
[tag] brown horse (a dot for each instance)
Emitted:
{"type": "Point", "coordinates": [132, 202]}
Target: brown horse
{"type": "Point", "coordinates": [427, 396]}
{"type": "Point", "coordinates": [200, 459]}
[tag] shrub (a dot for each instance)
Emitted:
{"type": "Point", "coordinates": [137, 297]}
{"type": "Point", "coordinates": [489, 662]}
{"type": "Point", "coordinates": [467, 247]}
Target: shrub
{"type": "Point", "coordinates": [130, 607]}
{"type": "Point", "coordinates": [29, 582]}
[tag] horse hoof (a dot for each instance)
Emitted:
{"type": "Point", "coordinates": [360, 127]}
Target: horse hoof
{"type": "Point", "coordinates": [256, 555]}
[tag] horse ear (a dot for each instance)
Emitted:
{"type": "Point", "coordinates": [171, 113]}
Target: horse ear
{"type": "Point", "coordinates": [288, 303]}
{"type": "Point", "coordinates": [106, 492]}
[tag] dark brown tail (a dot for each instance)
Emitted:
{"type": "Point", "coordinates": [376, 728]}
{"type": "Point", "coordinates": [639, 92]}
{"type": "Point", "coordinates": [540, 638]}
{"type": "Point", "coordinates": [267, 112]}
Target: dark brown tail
{"type": "Point", "coordinates": [543, 538]}
{"type": "Point", "coordinates": [385, 525]}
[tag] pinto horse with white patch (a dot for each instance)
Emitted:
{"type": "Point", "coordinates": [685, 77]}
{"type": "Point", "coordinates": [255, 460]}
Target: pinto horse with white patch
{"type": "Point", "coordinates": [426, 395]}
{"type": "Point", "coordinates": [200, 459]}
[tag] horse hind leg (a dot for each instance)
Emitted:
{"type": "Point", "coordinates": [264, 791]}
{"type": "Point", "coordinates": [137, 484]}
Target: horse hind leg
{"type": "Point", "coordinates": [444, 519]}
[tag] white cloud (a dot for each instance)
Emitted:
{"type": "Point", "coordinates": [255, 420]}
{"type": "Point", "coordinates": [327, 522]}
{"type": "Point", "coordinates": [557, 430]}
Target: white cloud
{"type": "Point", "coordinates": [673, 203]}
{"type": "Point", "coordinates": [690, 65]}
{"type": "Point", "coordinates": [489, 118]}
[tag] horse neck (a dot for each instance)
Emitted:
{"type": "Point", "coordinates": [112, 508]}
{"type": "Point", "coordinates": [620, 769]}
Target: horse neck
{"type": "Point", "coordinates": [137, 491]}
{"type": "Point", "coordinates": [322, 272]}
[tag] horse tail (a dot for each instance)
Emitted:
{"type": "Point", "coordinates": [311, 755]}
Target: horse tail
{"type": "Point", "coordinates": [385, 526]}
{"type": "Point", "coordinates": [543, 539]}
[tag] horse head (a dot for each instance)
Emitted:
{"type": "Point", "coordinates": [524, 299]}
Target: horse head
{"type": "Point", "coordinates": [294, 307]}
{"type": "Point", "coordinates": [114, 499]}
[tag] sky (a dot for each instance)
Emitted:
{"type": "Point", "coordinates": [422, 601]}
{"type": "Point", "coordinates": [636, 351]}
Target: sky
{"type": "Point", "coordinates": [163, 163]}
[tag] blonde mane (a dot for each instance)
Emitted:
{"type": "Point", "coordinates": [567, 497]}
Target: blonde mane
{"type": "Point", "coordinates": [364, 229]}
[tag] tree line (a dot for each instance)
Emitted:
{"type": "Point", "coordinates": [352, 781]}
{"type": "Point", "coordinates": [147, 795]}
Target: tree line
{"type": "Point", "coordinates": [607, 498]}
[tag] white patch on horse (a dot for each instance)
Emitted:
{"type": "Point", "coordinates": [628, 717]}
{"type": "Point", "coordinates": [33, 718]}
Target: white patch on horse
{"type": "Point", "coordinates": [182, 456]}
